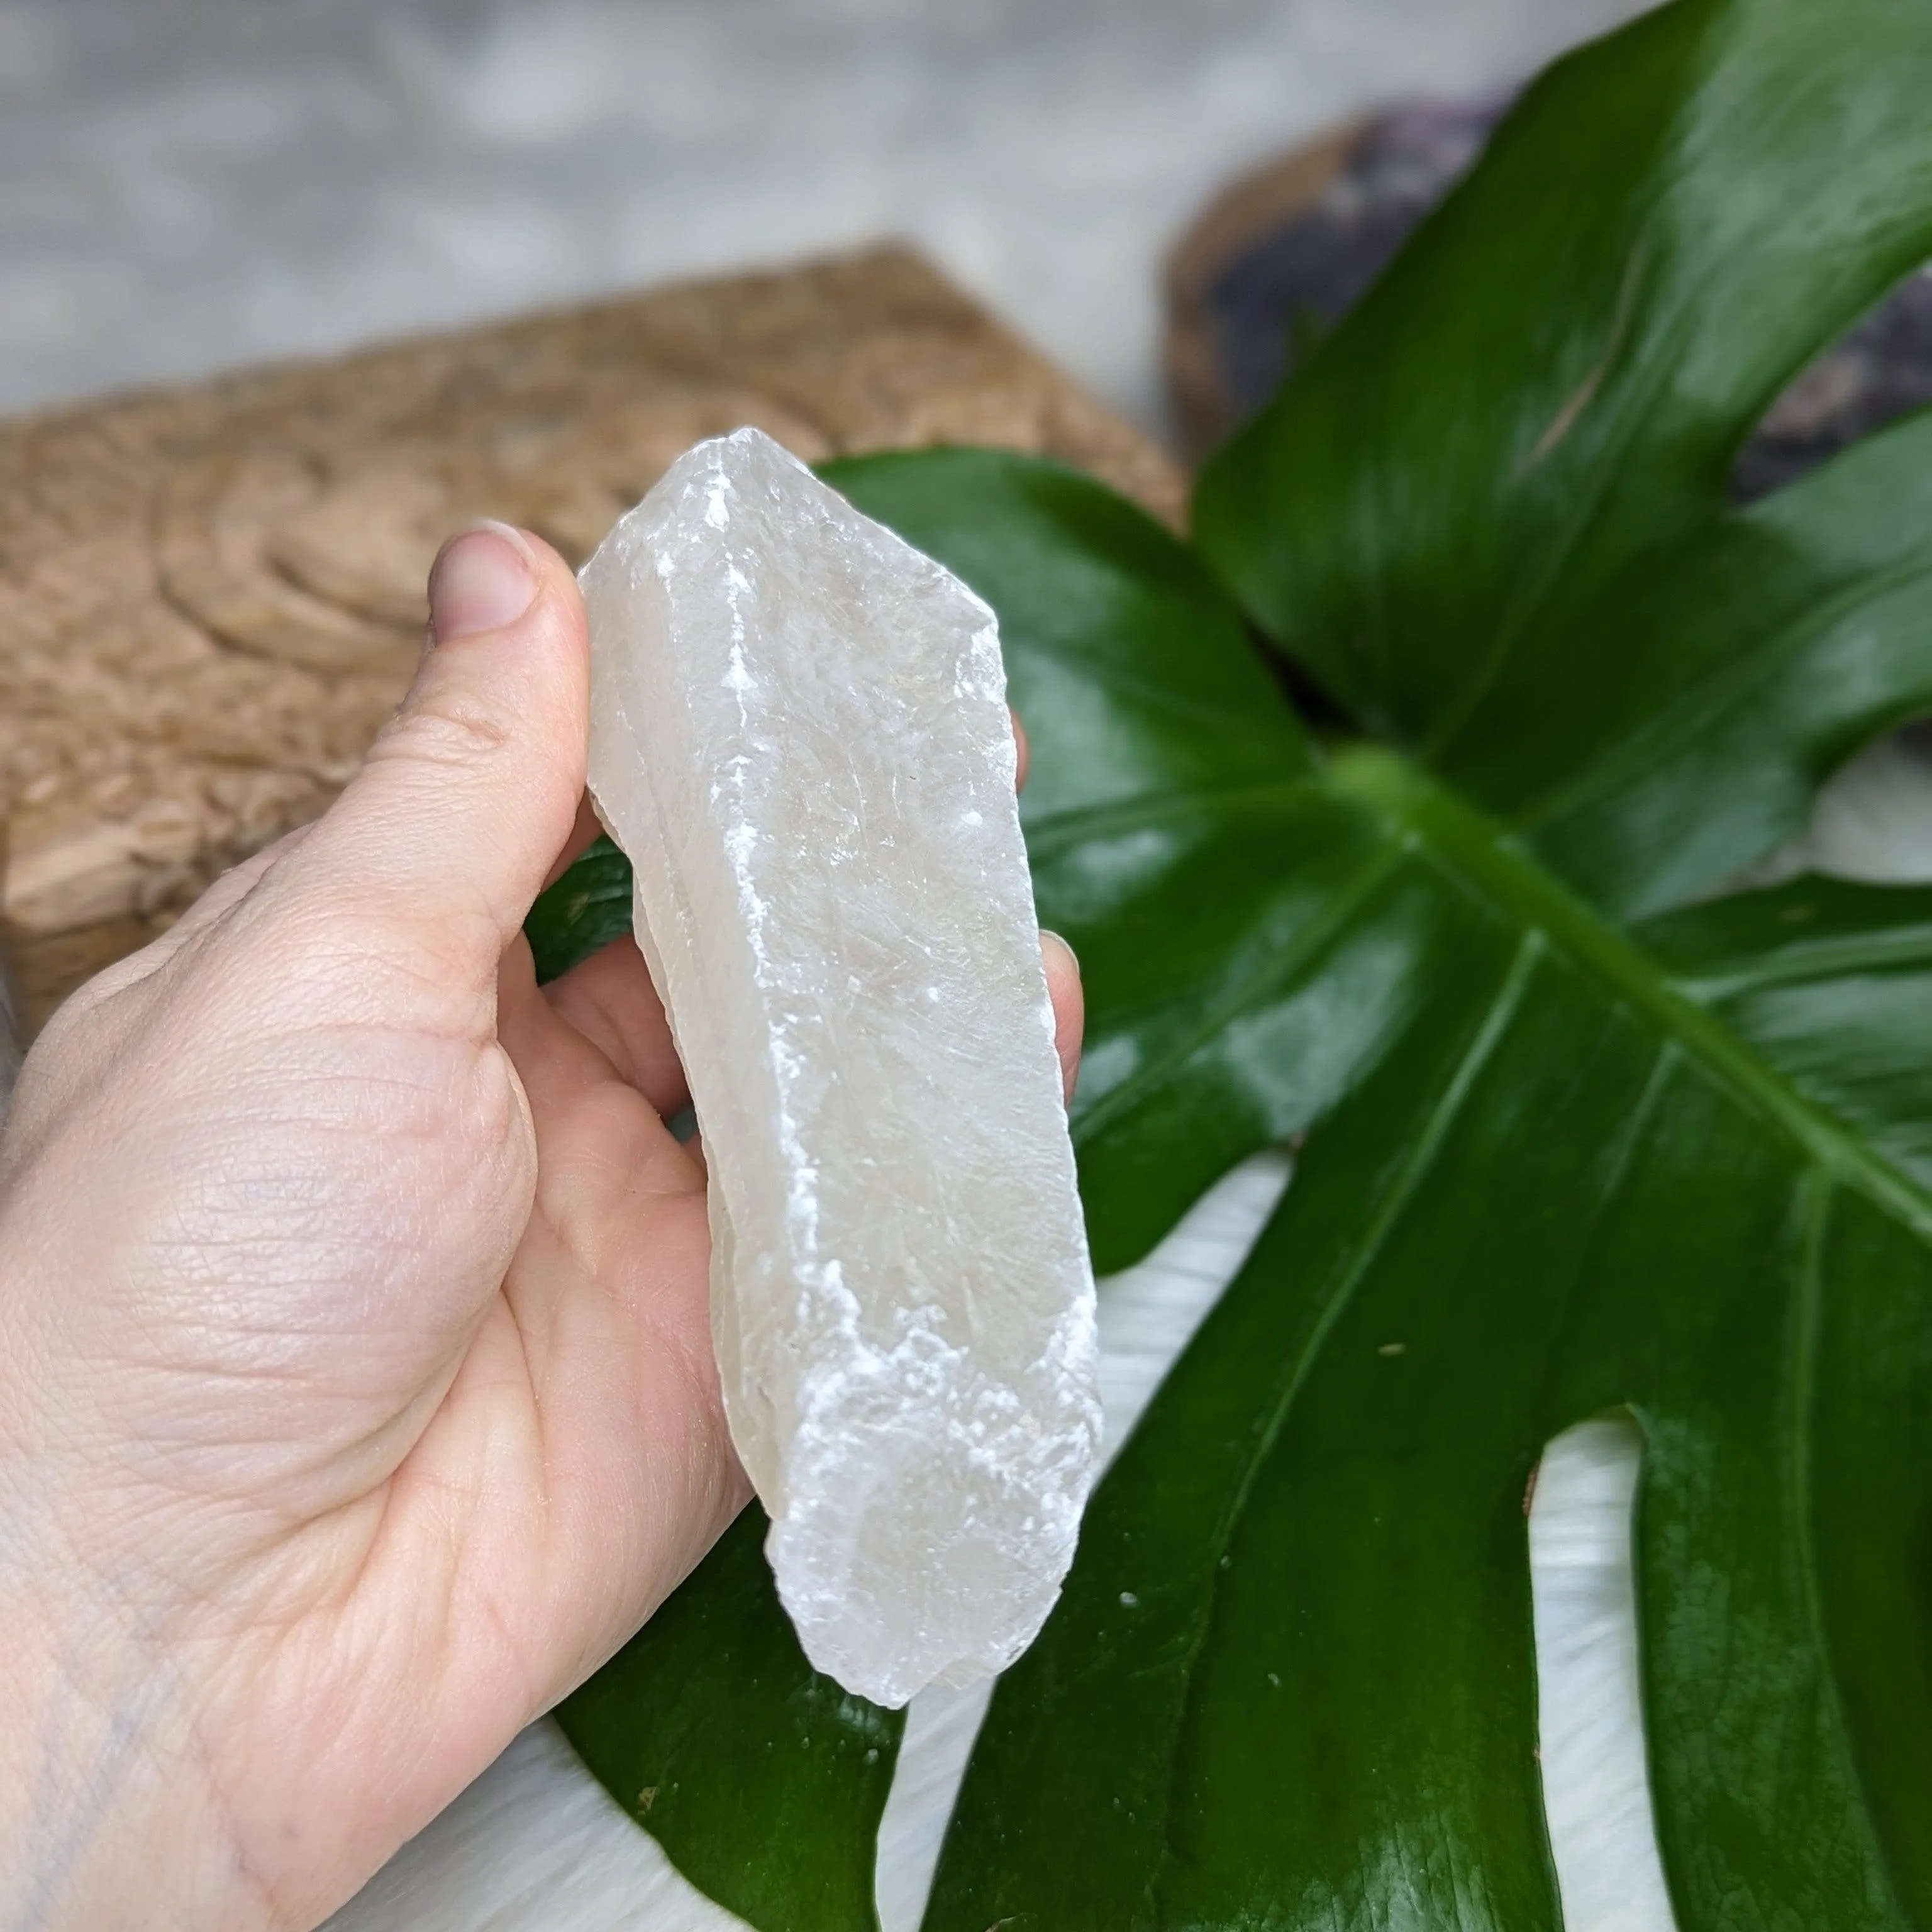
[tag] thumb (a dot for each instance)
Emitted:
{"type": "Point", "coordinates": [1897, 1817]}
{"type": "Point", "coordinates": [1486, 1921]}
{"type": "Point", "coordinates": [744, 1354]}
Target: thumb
{"type": "Point", "coordinates": [471, 791]}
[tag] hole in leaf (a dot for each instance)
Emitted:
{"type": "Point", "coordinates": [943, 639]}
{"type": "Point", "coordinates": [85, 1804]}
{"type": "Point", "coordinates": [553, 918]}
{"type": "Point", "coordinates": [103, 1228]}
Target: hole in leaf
{"type": "Point", "coordinates": [1872, 821]}
{"type": "Point", "coordinates": [941, 1724]}
{"type": "Point", "coordinates": [1596, 1785]}
{"type": "Point", "coordinates": [1311, 704]}
{"type": "Point", "coordinates": [1148, 1314]}
{"type": "Point", "coordinates": [1881, 370]}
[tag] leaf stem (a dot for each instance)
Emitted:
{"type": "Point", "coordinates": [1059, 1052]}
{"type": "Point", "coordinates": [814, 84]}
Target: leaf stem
{"type": "Point", "coordinates": [1489, 860]}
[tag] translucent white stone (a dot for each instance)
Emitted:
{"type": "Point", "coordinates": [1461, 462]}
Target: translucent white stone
{"type": "Point", "coordinates": [798, 733]}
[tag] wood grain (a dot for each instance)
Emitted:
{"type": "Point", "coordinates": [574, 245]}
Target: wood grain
{"type": "Point", "coordinates": [211, 598]}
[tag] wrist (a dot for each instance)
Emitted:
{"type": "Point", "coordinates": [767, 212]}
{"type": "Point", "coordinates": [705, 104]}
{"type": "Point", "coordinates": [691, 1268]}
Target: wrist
{"type": "Point", "coordinates": [106, 1817]}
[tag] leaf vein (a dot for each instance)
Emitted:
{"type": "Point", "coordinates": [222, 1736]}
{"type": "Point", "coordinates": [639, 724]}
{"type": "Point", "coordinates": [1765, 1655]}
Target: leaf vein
{"type": "Point", "coordinates": [1723, 686]}
{"type": "Point", "coordinates": [1047, 834]}
{"type": "Point", "coordinates": [1279, 972]}
{"type": "Point", "coordinates": [1424, 1147]}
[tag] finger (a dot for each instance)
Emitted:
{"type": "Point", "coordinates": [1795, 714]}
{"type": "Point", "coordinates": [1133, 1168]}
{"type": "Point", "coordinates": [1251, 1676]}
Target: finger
{"type": "Point", "coordinates": [469, 794]}
{"type": "Point", "coordinates": [1022, 751]}
{"type": "Point", "coordinates": [610, 1294]}
{"type": "Point", "coordinates": [602, 1147]}
{"type": "Point", "coordinates": [1069, 1005]}
{"type": "Point", "coordinates": [583, 834]}
{"type": "Point", "coordinates": [610, 1001]}
{"type": "Point", "coordinates": [605, 1155]}
{"type": "Point", "coordinates": [559, 1065]}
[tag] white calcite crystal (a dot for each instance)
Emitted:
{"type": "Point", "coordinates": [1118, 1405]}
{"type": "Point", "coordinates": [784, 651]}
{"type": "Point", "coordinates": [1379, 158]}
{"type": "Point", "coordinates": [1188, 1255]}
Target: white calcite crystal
{"type": "Point", "coordinates": [799, 735]}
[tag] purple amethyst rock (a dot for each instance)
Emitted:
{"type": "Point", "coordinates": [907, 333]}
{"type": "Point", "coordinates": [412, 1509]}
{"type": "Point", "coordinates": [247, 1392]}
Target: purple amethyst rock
{"type": "Point", "coordinates": [1281, 257]}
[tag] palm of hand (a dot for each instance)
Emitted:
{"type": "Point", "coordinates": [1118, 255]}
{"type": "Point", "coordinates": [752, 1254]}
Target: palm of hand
{"type": "Point", "coordinates": [360, 1392]}
{"type": "Point", "coordinates": [384, 1407]}
{"type": "Point", "coordinates": [489, 1316]}
{"type": "Point", "coordinates": [359, 1396]}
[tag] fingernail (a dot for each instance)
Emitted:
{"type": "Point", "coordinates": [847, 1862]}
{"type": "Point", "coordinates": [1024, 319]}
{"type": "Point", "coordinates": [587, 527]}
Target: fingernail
{"type": "Point", "coordinates": [483, 580]}
{"type": "Point", "coordinates": [1048, 938]}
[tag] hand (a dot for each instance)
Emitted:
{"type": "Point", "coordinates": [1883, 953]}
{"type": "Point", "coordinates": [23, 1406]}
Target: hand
{"type": "Point", "coordinates": [356, 1391]}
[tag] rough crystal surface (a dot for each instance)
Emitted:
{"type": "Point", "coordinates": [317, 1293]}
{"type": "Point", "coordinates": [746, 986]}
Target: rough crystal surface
{"type": "Point", "coordinates": [798, 733]}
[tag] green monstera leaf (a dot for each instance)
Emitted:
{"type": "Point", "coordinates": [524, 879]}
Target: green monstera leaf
{"type": "Point", "coordinates": [1583, 1131]}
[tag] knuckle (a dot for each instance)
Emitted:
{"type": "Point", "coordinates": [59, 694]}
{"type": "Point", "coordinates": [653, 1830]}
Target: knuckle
{"type": "Point", "coordinates": [451, 728]}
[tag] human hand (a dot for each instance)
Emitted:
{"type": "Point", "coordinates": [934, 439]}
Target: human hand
{"type": "Point", "coordinates": [356, 1390]}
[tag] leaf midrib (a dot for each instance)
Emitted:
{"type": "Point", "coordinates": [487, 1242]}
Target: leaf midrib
{"type": "Point", "coordinates": [1418, 814]}
{"type": "Point", "coordinates": [1424, 815]}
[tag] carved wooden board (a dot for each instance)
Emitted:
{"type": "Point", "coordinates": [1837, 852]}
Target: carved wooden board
{"type": "Point", "coordinates": [211, 598]}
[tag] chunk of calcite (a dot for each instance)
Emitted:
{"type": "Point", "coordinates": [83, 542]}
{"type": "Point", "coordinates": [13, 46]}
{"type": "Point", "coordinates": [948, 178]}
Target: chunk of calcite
{"type": "Point", "coordinates": [799, 735]}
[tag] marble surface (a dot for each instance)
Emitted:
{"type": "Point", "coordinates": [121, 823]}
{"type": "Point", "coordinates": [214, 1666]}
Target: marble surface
{"type": "Point", "coordinates": [187, 185]}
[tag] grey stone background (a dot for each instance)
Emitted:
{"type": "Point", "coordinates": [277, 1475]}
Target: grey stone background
{"type": "Point", "coordinates": [187, 185]}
